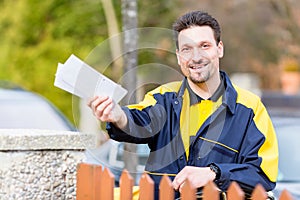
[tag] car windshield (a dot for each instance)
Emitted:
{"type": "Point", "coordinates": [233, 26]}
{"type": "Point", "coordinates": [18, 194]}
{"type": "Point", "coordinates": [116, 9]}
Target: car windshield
{"type": "Point", "coordinates": [288, 135]}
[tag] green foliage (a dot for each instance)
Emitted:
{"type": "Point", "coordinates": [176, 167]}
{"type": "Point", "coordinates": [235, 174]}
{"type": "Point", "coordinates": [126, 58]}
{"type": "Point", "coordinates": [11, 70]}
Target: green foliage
{"type": "Point", "coordinates": [36, 35]}
{"type": "Point", "coordinates": [158, 13]}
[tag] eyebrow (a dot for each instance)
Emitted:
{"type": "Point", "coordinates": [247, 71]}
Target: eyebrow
{"type": "Point", "coordinates": [190, 44]}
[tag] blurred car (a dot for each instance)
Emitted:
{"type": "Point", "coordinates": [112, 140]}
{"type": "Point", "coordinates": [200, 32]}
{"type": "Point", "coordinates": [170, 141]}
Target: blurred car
{"type": "Point", "coordinates": [285, 114]}
{"type": "Point", "coordinates": [288, 135]}
{"type": "Point", "coordinates": [27, 110]}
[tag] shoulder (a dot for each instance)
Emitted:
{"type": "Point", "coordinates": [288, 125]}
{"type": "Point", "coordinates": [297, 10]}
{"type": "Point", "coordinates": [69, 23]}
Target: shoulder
{"type": "Point", "coordinates": [253, 102]}
{"type": "Point", "coordinates": [151, 98]}
{"type": "Point", "coordinates": [165, 88]}
{"type": "Point", "coordinates": [247, 98]}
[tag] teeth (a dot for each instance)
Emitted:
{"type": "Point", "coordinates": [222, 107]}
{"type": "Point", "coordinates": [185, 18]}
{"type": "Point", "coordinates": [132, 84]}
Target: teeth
{"type": "Point", "coordinates": [198, 67]}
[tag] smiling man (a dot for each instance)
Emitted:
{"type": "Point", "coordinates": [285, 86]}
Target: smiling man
{"type": "Point", "coordinates": [202, 128]}
{"type": "Point", "coordinates": [198, 55]}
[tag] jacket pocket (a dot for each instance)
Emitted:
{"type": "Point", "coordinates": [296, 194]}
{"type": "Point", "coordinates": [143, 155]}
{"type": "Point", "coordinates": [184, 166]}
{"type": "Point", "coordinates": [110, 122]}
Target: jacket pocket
{"type": "Point", "coordinates": [214, 151]}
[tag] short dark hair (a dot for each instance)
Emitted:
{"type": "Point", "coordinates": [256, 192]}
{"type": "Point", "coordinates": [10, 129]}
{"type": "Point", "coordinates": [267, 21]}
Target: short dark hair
{"type": "Point", "coordinates": [196, 18]}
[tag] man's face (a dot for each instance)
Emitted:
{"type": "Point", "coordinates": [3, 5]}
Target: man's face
{"type": "Point", "coordinates": [198, 54]}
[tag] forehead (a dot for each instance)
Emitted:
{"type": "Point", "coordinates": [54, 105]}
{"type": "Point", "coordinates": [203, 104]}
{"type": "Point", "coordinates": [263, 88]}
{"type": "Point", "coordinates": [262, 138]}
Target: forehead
{"type": "Point", "coordinates": [196, 35]}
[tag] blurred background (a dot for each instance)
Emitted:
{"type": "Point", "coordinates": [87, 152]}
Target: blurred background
{"type": "Point", "coordinates": [262, 48]}
{"type": "Point", "coordinates": [261, 37]}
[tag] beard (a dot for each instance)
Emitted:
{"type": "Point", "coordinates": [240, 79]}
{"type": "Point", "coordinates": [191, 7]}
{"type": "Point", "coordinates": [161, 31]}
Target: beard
{"type": "Point", "coordinates": [199, 77]}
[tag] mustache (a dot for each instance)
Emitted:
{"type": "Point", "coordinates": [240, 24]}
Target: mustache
{"type": "Point", "coordinates": [199, 62]}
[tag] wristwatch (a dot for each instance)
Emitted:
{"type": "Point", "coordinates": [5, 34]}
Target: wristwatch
{"type": "Point", "coordinates": [215, 169]}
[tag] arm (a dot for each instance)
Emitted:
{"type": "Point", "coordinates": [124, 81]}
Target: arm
{"type": "Point", "coordinates": [142, 125]}
{"type": "Point", "coordinates": [106, 110]}
{"type": "Point", "coordinates": [135, 124]}
{"type": "Point", "coordinates": [258, 157]}
{"type": "Point", "coordinates": [257, 162]}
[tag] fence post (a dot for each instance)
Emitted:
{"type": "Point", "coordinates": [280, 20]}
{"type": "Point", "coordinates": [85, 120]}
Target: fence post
{"type": "Point", "coordinates": [187, 191]}
{"type": "Point", "coordinates": [285, 195]}
{"type": "Point", "coordinates": [166, 191]}
{"type": "Point", "coordinates": [88, 181]}
{"type": "Point", "coordinates": [146, 187]}
{"type": "Point", "coordinates": [126, 184]}
{"type": "Point", "coordinates": [235, 192]}
{"type": "Point", "coordinates": [259, 193]}
{"type": "Point", "coordinates": [107, 182]}
{"type": "Point", "coordinates": [210, 191]}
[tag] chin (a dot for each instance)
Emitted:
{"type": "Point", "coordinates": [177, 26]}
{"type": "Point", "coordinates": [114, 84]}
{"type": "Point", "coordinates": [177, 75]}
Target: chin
{"type": "Point", "coordinates": [199, 79]}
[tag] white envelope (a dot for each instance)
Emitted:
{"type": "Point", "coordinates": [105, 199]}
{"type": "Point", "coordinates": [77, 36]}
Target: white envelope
{"type": "Point", "coordinates": [59, 82]}
{"type": "Point", "coordinates": [78, 78]}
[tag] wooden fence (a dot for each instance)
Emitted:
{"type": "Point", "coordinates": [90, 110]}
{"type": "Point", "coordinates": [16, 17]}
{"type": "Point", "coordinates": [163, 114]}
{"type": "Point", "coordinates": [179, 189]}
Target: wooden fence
{"type": "Point", "coordinates": [95, 183]}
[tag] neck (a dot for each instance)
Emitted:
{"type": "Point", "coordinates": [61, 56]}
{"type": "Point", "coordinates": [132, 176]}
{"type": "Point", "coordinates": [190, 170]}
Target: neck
{"type": "Point", "coordinates": [207, 88]}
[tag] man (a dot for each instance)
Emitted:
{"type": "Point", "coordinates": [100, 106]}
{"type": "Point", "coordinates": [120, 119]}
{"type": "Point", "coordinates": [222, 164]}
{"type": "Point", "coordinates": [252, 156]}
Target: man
{"type": "Point", "coordinates": [202, 128]}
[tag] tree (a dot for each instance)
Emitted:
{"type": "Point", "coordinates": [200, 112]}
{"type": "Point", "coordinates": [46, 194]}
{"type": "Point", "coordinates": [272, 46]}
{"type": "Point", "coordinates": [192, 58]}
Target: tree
{"type": "Point", "coordinates": [129, 13]}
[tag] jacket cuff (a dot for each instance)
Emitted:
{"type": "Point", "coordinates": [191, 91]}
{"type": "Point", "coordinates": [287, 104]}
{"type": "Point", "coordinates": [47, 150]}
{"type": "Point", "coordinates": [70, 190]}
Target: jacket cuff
{"type": "Point", "coordinates": [223, 181]}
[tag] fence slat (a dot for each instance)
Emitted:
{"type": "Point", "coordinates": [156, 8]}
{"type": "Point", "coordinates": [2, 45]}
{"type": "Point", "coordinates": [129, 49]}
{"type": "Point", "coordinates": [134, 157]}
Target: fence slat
{"type": "Point", "coordinates": [285, 195]}
{"type": "Point", "coordinates": [107, 182]}
{"type": "Point", "coordinates": [96, 181]}
{"type": "Point", "coordinates": [88, 181]}
{"type": "Point", "coordinates": [166, 191]}
{"type": "Point", "coordinates": [94, 184]}
{"type": "Point", "coordinates": [146, 187]}
{"type": "Point", "coordinates": [187, 191]}
{"type": "Point", "coordinates": [210, 191]}
{"type": "Point", "coordinates": [126, 184]}
{"type": "Point", "coordinates": [259, 193]}
{"type": "Point", "coordinates": [235, 192]}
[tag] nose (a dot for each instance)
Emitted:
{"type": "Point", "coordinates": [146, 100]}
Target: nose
{"type": "Point", "coordinates": [197, 55]}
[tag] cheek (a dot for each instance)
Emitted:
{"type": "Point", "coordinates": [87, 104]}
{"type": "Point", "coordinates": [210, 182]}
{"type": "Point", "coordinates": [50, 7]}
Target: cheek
{"type": "Point", "coordinates": [215, 56]}
{"type": "Point", "coordinates": [184, 70]}
{"type": "Point", "coordinates": [182, 62]}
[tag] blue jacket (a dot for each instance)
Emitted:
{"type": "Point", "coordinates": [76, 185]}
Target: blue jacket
{"type": "Point", "coordinates": [238, 137]}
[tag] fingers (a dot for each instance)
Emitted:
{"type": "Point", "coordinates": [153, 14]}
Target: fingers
{"type": "Point", "coordinates": [101, 107]}
{"type": "Point", "coordinates": [179, 180]}
{"type": "Point", "coordinates": [103, 110]}
{"type": "Point", "coordinates": [178, 184]}
{"type": "Point", "coordinates": [181, 187]}
{"type": "Point", "coordinates": [96, 101]}
{"type": "Point", "coordinates": [108, 108]}
{"type": "Point", "coordinates": [197, 177]}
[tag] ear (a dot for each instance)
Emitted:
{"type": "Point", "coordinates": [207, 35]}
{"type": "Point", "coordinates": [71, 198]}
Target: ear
{"type": "Point", "coordinates": [178, 57]}
{"type": "Point", "coordinates": [221, 49]}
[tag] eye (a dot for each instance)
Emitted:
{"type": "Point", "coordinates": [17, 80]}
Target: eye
{"type": "Point", "coordinates": [185, 49]}
{"type": "Point", "coordinates": [205, 46]}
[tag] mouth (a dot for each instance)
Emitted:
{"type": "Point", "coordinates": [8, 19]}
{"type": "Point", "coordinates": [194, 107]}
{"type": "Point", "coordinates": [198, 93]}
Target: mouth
{"type": "Point", "coordinates": [197, 67]}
